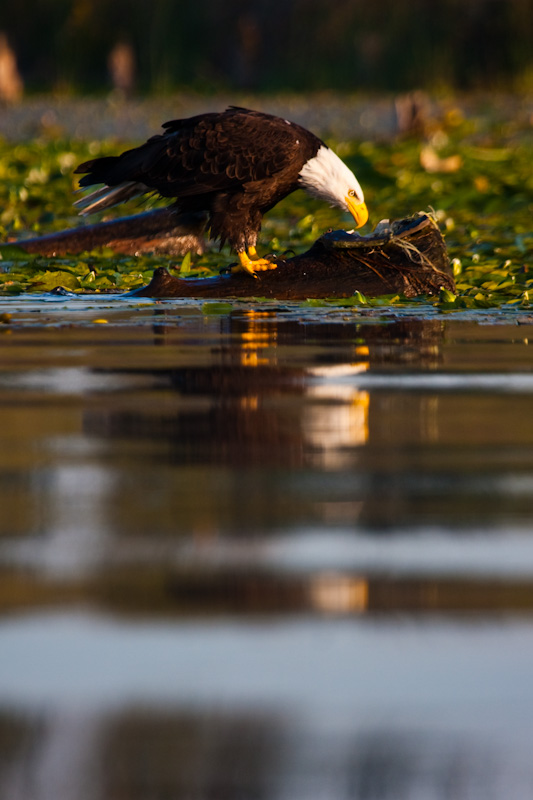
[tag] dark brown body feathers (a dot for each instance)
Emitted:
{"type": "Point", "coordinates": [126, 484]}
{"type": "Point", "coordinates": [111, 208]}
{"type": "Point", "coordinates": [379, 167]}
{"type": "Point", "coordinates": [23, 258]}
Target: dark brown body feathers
{"type": "Point", "coordinates": [234, 165]}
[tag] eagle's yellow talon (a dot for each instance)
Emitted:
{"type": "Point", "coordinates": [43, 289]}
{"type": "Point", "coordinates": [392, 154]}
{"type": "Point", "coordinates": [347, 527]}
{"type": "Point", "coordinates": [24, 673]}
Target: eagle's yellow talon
{"type": "Point", "coordinates": [249, 263]}
{"type": "Point", "coordinates": [263, 264]}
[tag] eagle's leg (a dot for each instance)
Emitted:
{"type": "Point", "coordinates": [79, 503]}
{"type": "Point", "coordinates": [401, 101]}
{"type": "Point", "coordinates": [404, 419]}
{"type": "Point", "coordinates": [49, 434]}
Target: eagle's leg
{"type": "Point", "coordinates": [249, 262]}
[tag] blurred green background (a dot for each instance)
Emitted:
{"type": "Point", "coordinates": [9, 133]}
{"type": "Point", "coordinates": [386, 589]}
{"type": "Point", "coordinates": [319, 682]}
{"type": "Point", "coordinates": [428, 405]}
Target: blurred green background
{"type": "Point", "coordinates": [273, 45]}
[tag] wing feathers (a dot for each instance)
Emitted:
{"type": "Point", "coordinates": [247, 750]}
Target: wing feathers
{"type": "Point", "coordinates": [203, 155]}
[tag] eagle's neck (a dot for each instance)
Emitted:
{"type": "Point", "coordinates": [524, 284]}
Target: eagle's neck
{"type": "Point", "coordinates": [327, 177]}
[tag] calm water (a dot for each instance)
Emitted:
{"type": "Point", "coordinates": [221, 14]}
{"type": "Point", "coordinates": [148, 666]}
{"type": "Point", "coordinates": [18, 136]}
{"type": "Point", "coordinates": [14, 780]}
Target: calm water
{"type": "Point", "coordinates": [265, 555]}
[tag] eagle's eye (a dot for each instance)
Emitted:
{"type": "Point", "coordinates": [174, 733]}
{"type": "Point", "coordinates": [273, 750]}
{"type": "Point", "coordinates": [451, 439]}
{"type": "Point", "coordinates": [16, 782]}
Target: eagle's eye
{"type": "Point", "coordinates": [352, 193]}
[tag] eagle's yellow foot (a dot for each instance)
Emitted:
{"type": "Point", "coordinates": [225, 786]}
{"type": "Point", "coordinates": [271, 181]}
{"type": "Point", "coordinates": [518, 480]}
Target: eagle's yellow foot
{"type": "Point", "coordinates": [249, 262]}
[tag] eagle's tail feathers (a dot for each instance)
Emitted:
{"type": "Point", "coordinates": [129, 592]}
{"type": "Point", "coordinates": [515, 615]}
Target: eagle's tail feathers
{"type": "Point", "coordinates": [108, 196]}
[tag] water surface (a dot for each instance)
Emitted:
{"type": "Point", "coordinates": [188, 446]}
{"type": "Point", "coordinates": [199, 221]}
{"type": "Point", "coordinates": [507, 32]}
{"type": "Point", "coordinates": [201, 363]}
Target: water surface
{"type": "Point", "coordinates": [273, 552]}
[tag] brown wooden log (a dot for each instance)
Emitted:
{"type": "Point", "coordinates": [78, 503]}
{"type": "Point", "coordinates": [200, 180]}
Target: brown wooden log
{"type": "Point", "coordinates": [158, 231]}
{"type": "Point", "coordinates": [406, 257]}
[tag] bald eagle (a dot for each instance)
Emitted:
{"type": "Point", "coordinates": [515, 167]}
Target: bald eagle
{"type": "Point", "coordinates": [232, 166]}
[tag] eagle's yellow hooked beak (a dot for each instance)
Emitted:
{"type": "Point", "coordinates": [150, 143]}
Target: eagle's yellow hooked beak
{"type": "Point", "coordinates": [359, 211]}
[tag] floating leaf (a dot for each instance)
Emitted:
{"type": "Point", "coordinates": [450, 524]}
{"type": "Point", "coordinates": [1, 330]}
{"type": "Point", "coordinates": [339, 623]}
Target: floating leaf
{"type": "Point", "coordinates": [185, 265]}
{"type": "Point", "coordinates": [217, 308]}
{"type": "Point", "coordinates": [359, 297]}
{"type": "Point", "coordinates": [52, 279]}
{"type": "Point", "coordinates": [13, 252]}
{"type": "Point", "coordinates": [314, 303]}
{"type": "Point", "coordinates": [445, 296]}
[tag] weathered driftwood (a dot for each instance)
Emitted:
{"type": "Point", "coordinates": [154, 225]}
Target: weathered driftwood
{"type": "Point", "coordinates": [158, 231]}
{"type": "Point", "coordinates": [408, 257]}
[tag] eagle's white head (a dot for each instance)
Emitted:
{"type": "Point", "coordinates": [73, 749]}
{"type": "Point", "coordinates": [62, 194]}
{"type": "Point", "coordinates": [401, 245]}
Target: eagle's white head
{"type": "Point", "coordinates": [327, 177]}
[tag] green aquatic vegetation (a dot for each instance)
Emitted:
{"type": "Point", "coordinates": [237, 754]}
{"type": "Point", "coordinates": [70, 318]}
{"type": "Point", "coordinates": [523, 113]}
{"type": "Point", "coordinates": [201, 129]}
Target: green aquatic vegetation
{"type": "Point", "coordinates": [216, 308]}
{"type": "Point", "coordinates": [478, 182]}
